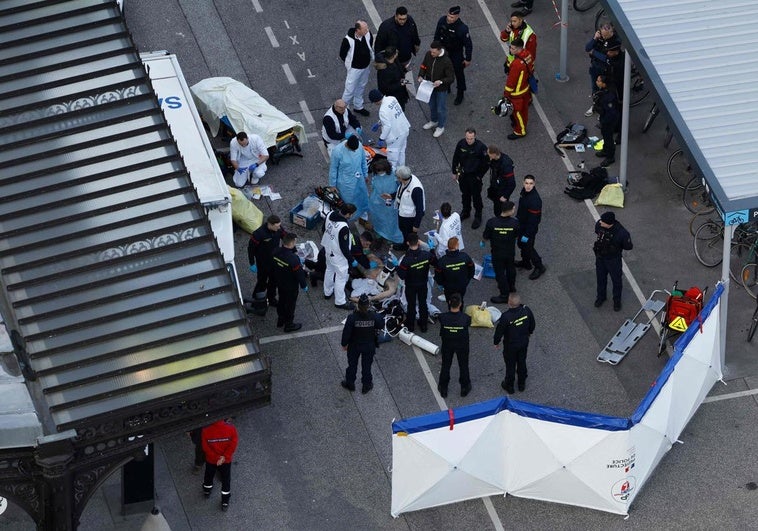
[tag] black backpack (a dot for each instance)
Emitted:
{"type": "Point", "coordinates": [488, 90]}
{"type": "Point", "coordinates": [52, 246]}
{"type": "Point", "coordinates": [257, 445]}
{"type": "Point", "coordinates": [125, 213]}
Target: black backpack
{"type": "Point", "coordinates": [573, 134]}
{"type": "Point", "coordinates": [588, 185]}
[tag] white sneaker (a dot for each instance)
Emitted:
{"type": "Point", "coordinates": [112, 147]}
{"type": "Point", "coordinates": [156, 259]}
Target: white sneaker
{"type": "Point", "coordinates": [589, 112]}
{"type": "Point", "coordinates": [429, 125]}
{"type": "Point", "coordinates": [438, 132]}
{"type": "Point", "coordinates": [255, 180]}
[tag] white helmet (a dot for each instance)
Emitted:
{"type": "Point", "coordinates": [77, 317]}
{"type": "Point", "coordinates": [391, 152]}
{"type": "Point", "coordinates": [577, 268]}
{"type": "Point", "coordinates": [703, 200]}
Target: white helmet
{"type": "Point", "coordinates": [502, 108]}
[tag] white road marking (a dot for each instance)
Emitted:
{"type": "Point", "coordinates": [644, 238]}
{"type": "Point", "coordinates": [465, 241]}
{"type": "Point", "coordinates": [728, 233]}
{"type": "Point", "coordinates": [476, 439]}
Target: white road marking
{"type": "Point", "coordinates": [373, 14]}
{"type": "Point", "coordinates": [429, 377]}
{"type": "Point", "coordinates": [271, 36]}
{"type": "Point", "coordinates": [288, 73]}
{"type": "Point", "coordinates": [306, 112]}
{"type": "Point", "coordinates": [257, 6]}
{"type": "Point", "coordinates": [306, 333]}
{"type": "Point", "coordinates": [729, 396]}
{"type": "Point", "coordinates": [286, 24]}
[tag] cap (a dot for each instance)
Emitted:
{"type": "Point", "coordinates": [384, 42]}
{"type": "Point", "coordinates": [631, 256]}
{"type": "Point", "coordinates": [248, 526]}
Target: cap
{"type": "Point", "coordinates": [608, 218]}
{"type": "Point", "coordinates": [455, 10]}
{"type": "Point", "coordinates": [375, 95]}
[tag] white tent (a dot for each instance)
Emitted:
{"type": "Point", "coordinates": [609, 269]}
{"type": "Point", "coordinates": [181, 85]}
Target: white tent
{"type": "Point", "coordinates": [508, 447]}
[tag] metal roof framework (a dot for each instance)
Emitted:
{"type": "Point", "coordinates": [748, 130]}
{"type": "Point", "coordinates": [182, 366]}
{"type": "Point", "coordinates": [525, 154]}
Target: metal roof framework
{"type": "Point", "coordinates": [124, 319]}
{"type": "Point", "coordinates": [700, 56]}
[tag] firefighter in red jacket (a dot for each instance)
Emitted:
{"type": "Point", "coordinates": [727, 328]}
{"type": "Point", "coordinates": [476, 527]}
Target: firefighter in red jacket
{"type": "Point", "coordinates": [219, 443]}
{"type": "Point", "coordinates": [517, 88]}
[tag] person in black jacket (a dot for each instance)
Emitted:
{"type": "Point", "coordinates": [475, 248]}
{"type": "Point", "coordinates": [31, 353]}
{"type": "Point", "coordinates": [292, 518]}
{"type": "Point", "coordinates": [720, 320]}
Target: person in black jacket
{"type": "Point", "coordinates": [260, 251]}
{"type": "Point", "coordinates": [414, 270]}
{"type": "Point", "coordinates": [401, 32]}
{"type": "Point", "coordinates": [502, 231]}
{"type": "Point", "coordinates": [470, 164]}
{"type": "Point", "coordinates": [290, 276]}
{"type": "Point", "coordinates": [359, 340]}
{"type": "Point", "coordinates": [390, 75]}
{"type": "Point", "coordinates": [454, 36]}
{"type": "Point", "coordinates": [612, 240]}
{"type": "Point", "coordinates": [454, 326]}
{"type": "Point", "coordinates": [529, 215]}
{"type": "Point", "coordinates": [609, 109]}
{"type": "Point", "coordinates": [454, 270]}
{"type": "Point", "coordinates": [514, 328]}
{"type": "Point", "coordinates": [502, 180]}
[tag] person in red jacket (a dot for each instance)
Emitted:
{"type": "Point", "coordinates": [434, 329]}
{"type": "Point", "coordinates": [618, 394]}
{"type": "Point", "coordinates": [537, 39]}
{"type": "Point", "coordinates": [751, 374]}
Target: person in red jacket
{"type": "Point", "coordinates": [517, 88]}
{"type": "Point", "coordinates": [219, 443]}
{"type": "Point", "coordinates": [518, 28]}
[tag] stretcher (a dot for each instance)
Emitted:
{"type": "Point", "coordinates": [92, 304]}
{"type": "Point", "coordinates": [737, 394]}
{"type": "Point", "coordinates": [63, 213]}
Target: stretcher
{"type": "Point", "coordinates": [633, 329]}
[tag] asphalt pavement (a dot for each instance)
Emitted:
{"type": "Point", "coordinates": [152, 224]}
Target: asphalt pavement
{"type": "Point", "coordinates": [320, 457]}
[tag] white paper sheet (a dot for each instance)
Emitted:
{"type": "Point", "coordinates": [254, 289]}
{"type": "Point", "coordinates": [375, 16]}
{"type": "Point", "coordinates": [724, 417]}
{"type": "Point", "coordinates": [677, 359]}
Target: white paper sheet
{"type": "Point", "coordinates": [424, 91]}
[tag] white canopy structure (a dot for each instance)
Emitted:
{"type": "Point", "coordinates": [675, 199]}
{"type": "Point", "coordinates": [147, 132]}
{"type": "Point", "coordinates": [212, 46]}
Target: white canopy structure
{"type": "Point", "coordinates": [504, 446]}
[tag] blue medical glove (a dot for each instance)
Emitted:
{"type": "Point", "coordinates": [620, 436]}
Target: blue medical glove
{"type": "Point", "coordinates": [394, 262]}
{"type": "Point", "coordinates": [348, 135]}
{"type": "Point", "coordinates": [354, 263]}
{"type": "Point", "coordinates": [481, 244]}
{"type": "Point", "coordinates": [431, 244]}
{"type": "Point", "coordinates": [371, 264]}
{"type": "Point", "coordinates": [524, 239]}
{"type": "Point", "coordinates": [254, 268]}
{"type": "Point", "coordinates": [359, 130]}
{"type": "Point", "coordinates": [241, 169]}
{"type": "Point", "coordinates": [305, 289]}
{"type": "Point", "coordinates": [254, 166]}
{"type": "Point", "coordinates": [381, 143]}
{"type": "Point", "coordinates": [375, 127]}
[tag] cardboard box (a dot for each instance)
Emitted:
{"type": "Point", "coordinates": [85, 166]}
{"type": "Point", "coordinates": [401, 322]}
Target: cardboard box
{"type": "Point", "coordinates": [308, 222]}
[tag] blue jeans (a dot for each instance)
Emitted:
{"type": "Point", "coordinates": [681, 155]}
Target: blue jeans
{"type": "Point", "coordinates": [438, 107]}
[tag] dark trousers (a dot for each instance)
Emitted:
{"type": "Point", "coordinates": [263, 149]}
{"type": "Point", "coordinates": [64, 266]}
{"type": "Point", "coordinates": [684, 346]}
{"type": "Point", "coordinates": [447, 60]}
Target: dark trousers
{"type": "Point", "coordinates": [471, 190]}
{"type": "Point", "coordinates": [515, 363]}
{"type": "Point", "coordinates": [413, 294]}
{"type": "Point", "coordinates": [364, 351]}
{"type": "Point", "coordinates": [265, 282]}
{"type": "Point", "coordinates": [448, 351]}
{"type": "Point", "coordinates": [603, 268]}
{"type": "Point", "coordinates": [505, 273]}
{"type": "Point", "coordinates": [195, 436]}
{"type": "Point", "coordinates": [609, 144]}
{"type": "Point", "coordinates": [225, 471]}
{"type": "Point", "coordinates": [285, 310]}
{"type": "Point", "coordinates": [460, 71]}
{"type": "Point", "coordinates": [406, 226]}
{"type": "Point", "coordinates": [529, 254]}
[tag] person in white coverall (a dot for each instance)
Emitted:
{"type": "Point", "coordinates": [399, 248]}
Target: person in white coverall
{"type": "Point", "coordinates": [248, 155]}
{"type": "Point", "coordinates": [449, 227]}
{"type": "Point", "coordinates": [337, 242]}
{"type": "Point", "coordinates": [347, 173]}
{"type": "Point", "coordinates": [395, 127]}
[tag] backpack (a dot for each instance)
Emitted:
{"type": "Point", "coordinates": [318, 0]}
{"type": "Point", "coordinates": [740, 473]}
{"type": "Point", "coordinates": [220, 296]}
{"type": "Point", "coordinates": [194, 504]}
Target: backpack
{"type": "Point", "coordinates": [588, 185]}
{"type": "Point", "coordinates": [573, 134]}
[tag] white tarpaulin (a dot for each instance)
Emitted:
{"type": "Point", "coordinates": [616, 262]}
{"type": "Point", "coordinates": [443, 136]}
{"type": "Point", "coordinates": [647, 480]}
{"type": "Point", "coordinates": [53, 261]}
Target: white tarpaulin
{"type": "Point", "coordinates": [245, 109]}
{"type": "Point", "coordinates": [508, 447]}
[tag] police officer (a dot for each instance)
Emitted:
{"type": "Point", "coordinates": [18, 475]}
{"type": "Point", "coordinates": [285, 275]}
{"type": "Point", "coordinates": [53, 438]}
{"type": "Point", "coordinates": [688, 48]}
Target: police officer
{"type": "Point", "coordinates": [454, 36]}
{"type": "Point", "coordinates": [514, 328]}
{"type": "Point", "coordinates": [260, 249]}
{"type": "Point", "coordinates": [454, 326]}
{"type": "Point", "coordinates": [454, 270]}
{"type": "Point", "coordinates": [359, 340]}
{"type": "Point", "coordinates": [609, 108]}
{"type": "Point", "coordinates": [414, 270]}
{"type": "Point", "coordinates": [529, 215]}
{"type": "Point", "coordinates": [337, 242]}
{"type": "Point", "coordinates": [290, 276]}
{"type": "Point", "coordinates": [470, 164]}
{"type": "Point", "coordinates": [502, 231]}
{"type": "Point", "coordinates": [502, 180]}
{"type": "Point", "coordinates": [612, 240]}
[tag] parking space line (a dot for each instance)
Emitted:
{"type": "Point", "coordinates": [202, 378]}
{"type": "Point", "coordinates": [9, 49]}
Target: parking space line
{"type": "Point", "coordinates": [257, 6]}
{"type": "Point", "coordinates": [271, 36]}
{"type": "Point", "coordinates": [306, 112]}
{"type": "Point", "coordinates": [729, 396]}
{"type": "Point", "coordinates": [288, 73]}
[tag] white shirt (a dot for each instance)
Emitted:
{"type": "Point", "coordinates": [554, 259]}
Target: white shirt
{"type": "Point", "coordinates": [394, 123]}
{"type": "Point", "coordinates": [449, 228]}
{"type": "Point", "coordinates": [247, 155]}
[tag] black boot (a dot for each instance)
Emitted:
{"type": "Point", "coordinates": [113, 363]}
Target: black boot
{"type": "Point", "coordinates": [458, 98]}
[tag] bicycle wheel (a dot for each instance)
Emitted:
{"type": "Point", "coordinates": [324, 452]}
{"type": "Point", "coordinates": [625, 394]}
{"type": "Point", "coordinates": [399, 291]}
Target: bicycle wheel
{"type": "Point", "coordinates": [699, 219]}
{"type": "Point", "coordinates": [753, 325]}
{"type": "Point", "coordinates": [696, 198]}
{"type": "Point", "coordinates": [740, 256]}
{"type": "Point", "coordinates": [679, 169]}
{"type": "Point", "coordinates": [584, 5]}
{"type": "Point", "coordinates": [749, 278]}
{"type": "Point", "coordinates": [638, 91]}
{"type": "Point", "coordinates": [708, 244]}
{"type": "Point", "coordinates": [600, 18]}
{"type": "Point", "coordinates": [654, 111]}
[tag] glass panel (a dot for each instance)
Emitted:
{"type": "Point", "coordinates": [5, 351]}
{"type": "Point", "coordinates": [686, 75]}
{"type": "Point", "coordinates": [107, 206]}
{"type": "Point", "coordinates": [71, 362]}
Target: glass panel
{"type": "Point", "coordinates": [45, 9]}
{"type": "Point", "coordinates": [34, 28]}
{"type": "Point", "coordinates": [36, 47]}
{"type": "Point", "coordinates": [29, 64]}
{"type": "Point", "coordinates": [59, 75]}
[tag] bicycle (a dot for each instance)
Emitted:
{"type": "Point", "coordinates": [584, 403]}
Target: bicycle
{"type": "Point", "coordinates": [679, 169]}
{"type": "Point", "coordinates": [584, 5]}
{"type": "Point", "coordinates": [697, 197]}
{"type": "Point", "coordinates": [749, 278]}
{"type": "Point", "coordinates": [753, 325]}
{"type": "Point", "coordinates": [651, 116]}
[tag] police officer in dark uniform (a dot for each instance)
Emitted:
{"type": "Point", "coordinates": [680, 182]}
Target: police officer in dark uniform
{"type": "Point", "coordinates": [529, 215]}
{"type": "Point", "coordinates": [455, 37]}
{"type": "Point", "coordinates": [289, 275]}
{"type": "Point", "coordinates": [260, 249]}
{"type": "Point", "coordinates": [414, 270]}
{"type": "Point", "coordinates": [502, 231]}
{"type": "Point", "coordinates": [612, 240]}
{"type": "Point", "coordinates": [470, 164]}
{"type": "Point", "coordinates": [502, 180]}
{"type": "Point", "coordinates": [454, 270]}
{"type": "Point", "coordinates": [454, 326]}
{"type": "Point", "coordinates": [514, 328]}
{"type": "Point", "coordinates": [607, 104]}
{"type": "Point", "coordinates": [359, 340]}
